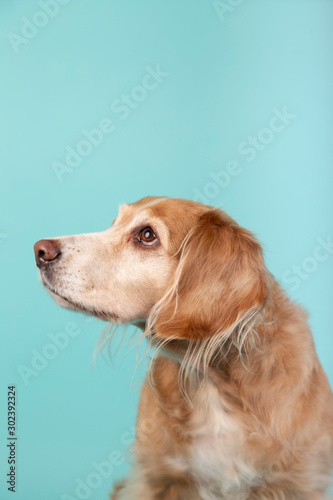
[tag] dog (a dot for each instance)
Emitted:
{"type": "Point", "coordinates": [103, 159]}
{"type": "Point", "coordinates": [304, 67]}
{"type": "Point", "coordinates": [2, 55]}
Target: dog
{"type": "Point", "coordinates": [236, 404]}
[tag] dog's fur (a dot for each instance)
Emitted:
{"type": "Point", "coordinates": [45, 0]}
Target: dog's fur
{"type": "Point", "coordinates": [237, 405]}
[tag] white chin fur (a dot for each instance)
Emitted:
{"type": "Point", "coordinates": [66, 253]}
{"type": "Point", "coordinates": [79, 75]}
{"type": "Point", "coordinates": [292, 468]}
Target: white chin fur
{"type": "Point", "coordinates": [61, 301]}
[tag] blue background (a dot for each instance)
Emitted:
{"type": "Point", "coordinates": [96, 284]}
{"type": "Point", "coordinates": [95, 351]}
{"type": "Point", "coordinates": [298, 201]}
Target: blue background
{"type": "Point", "coordinates": [227, 72]}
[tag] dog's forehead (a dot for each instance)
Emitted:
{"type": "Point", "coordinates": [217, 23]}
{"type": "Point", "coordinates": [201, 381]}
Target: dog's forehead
{"type": "Point", "coordinates": [141, 209]}
{"type": "Point", "coordinates": [169, 211]}
{"type": "Point", "coordinates": [130, 209]}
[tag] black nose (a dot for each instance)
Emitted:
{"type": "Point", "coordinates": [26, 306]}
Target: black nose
{"type": "Point", "coordinates": [46, 251]}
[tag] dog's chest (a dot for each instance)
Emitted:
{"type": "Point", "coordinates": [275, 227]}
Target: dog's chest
{"type": "Point", "coordinates": [217, 456]}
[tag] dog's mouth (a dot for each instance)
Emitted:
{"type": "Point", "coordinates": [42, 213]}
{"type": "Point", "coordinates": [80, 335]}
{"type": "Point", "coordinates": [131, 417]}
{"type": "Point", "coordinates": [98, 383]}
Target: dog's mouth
{"type": "Point", "coordinates": [69, 303]}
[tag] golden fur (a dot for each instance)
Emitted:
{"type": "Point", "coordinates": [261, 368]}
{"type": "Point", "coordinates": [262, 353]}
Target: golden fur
{"type": "Point", "coordinates": [237, 405]}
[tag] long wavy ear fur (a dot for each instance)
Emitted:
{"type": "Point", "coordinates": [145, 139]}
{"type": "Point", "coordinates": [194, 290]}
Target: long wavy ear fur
{"type": "Point", "coordinates": [221, 280]}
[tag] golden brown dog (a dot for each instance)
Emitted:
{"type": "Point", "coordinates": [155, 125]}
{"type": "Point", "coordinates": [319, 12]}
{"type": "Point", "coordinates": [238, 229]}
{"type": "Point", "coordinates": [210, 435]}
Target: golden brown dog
{"type": "Point", "coordinates": [237, 405]}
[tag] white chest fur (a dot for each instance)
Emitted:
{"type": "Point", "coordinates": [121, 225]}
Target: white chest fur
{"type": "Point", "coordinates": [217, 456]}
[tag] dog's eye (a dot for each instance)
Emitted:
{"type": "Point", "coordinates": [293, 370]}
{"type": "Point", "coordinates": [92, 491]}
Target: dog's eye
{"type": "Point", "coordinates": [147, 236]}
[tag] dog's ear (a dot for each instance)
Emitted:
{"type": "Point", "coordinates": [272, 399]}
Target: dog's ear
{"type": "Point", "coordinates": [221, 279]}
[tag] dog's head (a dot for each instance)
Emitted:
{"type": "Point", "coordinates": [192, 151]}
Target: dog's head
{"type": "Point", "coordinates": [187, 267]}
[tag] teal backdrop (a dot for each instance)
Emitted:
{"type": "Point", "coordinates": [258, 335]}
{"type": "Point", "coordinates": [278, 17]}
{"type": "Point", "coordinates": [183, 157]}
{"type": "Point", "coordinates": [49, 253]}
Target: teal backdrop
{"type": "Point", "coordinates": [104, 102]}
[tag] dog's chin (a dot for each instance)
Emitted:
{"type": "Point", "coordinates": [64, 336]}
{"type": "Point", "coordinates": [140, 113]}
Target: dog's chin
{"type": "Point", "coordinates": [68, 303]}
{"type": "Point", "coordinates": [62, 301]}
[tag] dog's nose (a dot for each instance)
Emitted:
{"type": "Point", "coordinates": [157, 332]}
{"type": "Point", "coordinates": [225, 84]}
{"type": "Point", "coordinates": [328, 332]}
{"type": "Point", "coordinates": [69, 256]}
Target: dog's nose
{"type": "Point", "coordinates": [46, 251]}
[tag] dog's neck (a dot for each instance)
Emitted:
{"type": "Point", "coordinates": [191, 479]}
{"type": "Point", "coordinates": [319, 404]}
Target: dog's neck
{"type": "Point", "coordinates": [231, 366]}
